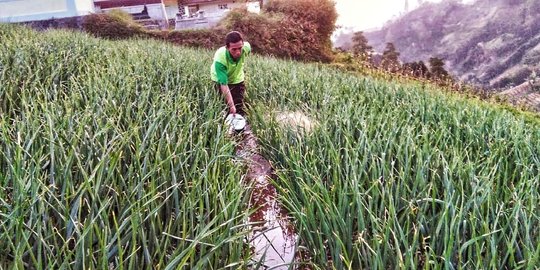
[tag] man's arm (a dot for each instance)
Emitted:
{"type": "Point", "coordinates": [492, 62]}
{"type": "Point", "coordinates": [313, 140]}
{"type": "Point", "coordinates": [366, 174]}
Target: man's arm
{"type": "Point", "coordinates": [223, 81]}
{"type": "Point", "coordinates": [226, 92]}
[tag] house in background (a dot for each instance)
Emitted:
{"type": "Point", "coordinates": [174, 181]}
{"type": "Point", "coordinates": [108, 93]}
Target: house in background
{"type": "Point", "coordinates": [36, 10]}
{"type": "Point", "coordinates": [148, 12]}
{"type": "Point", "coordinates": [184, 14]}
{"type": "Point", "coordinates": [194, 14]}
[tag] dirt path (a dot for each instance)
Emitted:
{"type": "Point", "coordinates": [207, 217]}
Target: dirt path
{"type": "Point", "coordinates": [273, 240]}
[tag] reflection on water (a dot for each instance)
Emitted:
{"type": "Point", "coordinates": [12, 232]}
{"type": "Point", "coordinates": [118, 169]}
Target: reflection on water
{"type": "Point", "coordinates": [273, 238]}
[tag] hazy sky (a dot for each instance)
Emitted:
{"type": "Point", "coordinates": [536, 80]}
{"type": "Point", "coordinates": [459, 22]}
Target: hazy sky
{"type": "Point", "coordinates": [367, 14]}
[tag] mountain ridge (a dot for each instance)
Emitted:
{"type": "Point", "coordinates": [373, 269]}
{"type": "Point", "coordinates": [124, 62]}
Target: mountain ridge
{"type": "Point", "coordinates": [492, 44]}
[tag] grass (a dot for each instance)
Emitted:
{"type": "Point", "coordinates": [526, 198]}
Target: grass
{"type": "Point", "coordinates": [398, 176]}
{"type": "Point", "coordinates": [113, 155]}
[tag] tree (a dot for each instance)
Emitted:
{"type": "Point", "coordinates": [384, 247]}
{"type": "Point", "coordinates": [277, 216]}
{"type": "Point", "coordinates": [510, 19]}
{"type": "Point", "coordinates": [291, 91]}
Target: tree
{"type": "Point", "coordinates": [390, 58]}
{"type": "Point", "coordinates": [534, 81]}
{"type": "Point", "coordinates": [416, 69]}
{"type": "Point", "coordinates": [361, 47]}
{"type": "Point", "coordinates": [437, 69]}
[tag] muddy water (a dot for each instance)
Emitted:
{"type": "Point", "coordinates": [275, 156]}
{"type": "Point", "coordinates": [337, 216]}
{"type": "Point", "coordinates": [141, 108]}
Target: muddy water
{"type": "Point", "coordinates": [273, 240]}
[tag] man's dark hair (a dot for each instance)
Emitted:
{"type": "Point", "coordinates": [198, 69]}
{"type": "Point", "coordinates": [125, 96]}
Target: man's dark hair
{"type": "Point", "coordinates": [233, 37]}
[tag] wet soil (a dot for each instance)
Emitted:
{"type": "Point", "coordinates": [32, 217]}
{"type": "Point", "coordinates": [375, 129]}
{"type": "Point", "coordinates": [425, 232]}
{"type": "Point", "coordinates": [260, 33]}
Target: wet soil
{"type": "Point", "coordinates": [273, 240]}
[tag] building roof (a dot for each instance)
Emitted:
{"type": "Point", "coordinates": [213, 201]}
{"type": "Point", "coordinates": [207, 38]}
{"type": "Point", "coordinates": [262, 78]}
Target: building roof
{"type": "Point", "coordinates": [192, 2]}
{"type": "Point", "coordinates": [124, 3]}
{"type": "Point", "coordinates": [189, 2]}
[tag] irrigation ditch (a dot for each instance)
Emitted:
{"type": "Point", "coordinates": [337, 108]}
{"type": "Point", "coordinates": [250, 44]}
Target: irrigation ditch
{"type": "Point", "coordinates": [273, 238]}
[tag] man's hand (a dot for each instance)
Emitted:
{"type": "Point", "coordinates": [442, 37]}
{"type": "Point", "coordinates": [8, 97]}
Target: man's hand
{"type": "Point", "coordinates": [226, 92]}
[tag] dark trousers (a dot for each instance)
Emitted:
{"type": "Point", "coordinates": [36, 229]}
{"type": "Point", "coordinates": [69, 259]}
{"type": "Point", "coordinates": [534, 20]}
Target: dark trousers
{"type": "Point", "coordinates": [237, 93]}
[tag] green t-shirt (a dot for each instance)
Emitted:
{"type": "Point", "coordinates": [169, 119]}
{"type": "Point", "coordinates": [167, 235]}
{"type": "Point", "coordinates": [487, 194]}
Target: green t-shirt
{"type": "Point", "coordinates": [225, 70]}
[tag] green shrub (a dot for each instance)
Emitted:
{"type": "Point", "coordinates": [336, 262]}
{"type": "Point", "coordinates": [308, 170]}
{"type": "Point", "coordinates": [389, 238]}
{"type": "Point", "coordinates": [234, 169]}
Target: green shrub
{"type": "Point", "coordinates": [320, 12]}
{"type": "Point", "coordinates": [254, 27]}
{"type": "Point", "coordinates": [281, 35]}
{"type": "Point", "coordinates": [298, 30]}
{"type": "Point", "coordinates": [113, 25]}
{"type": "Point", "coordinates": [203, 38]}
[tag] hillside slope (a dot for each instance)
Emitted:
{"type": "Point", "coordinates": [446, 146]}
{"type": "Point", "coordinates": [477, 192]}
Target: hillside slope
{"type": "Point", "coordinates": [523, 95]}
{"type": "Point", "coordinates": [493, 43]}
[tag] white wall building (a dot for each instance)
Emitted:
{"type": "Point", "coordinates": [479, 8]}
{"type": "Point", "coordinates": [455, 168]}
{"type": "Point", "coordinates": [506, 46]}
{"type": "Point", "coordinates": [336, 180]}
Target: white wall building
{"type": "Point", "coordinates": [152, 9]}
{"type": "Point", "coordinates": [35, 10]}
{"type": "Point", "coordinates": [188, 14]}
{"type": "Point", "coordinates": [205, 13]}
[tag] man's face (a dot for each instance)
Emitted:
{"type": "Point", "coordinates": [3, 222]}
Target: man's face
{"type": "Point", "coordinates": [235, 49]}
